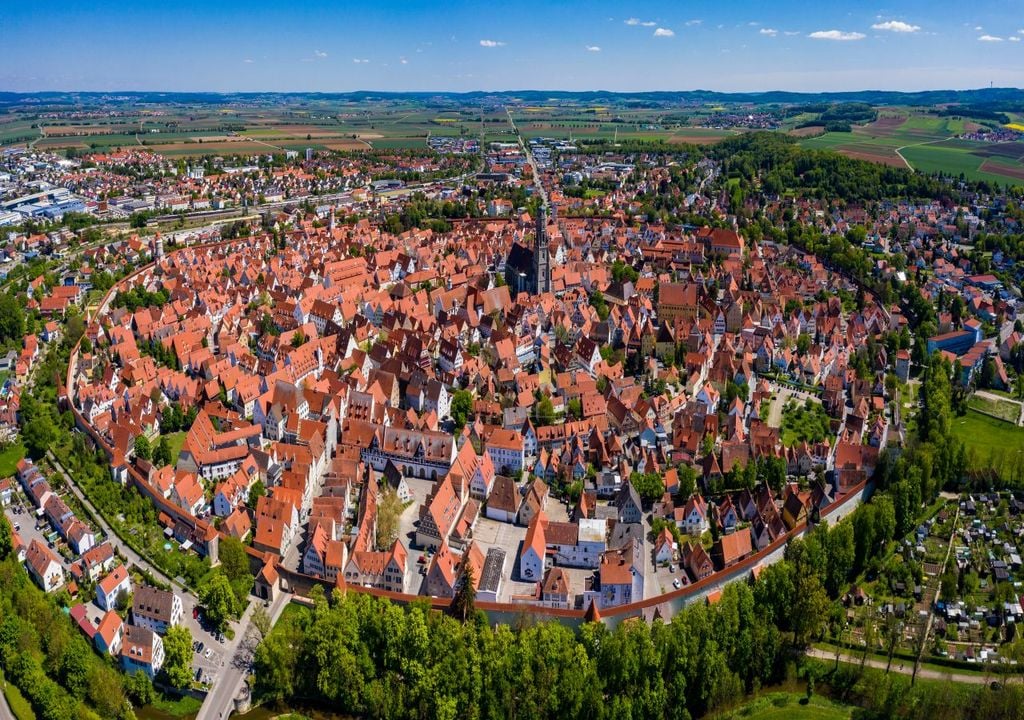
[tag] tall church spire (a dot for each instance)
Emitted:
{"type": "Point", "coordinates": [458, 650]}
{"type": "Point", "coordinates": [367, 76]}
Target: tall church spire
{"type": "Point", "coordinates": [541, 251]}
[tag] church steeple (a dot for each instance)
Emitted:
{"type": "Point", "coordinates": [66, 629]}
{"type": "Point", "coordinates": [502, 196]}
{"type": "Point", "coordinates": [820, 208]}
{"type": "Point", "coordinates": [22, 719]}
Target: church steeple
{"type": "Point", "coordinates": [541, 251]}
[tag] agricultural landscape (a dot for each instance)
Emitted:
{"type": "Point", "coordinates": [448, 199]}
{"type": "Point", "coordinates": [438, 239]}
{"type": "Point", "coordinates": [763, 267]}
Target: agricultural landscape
{"type": "Point", "coordinates": [973, 139]}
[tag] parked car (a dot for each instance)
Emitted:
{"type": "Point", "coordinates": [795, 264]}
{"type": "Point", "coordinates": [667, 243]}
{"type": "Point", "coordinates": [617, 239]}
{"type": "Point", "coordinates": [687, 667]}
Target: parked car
{"type": "Point", "coordinates": [676, 584]}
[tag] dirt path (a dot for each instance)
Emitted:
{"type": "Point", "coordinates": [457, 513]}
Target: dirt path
{"type": "Point", "coordinates": [903, 667]}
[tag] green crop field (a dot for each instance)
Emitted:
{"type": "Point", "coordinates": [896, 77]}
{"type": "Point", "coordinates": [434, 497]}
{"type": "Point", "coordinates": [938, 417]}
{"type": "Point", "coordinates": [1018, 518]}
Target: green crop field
{"type": "Point", "coordinates": [928, 144]}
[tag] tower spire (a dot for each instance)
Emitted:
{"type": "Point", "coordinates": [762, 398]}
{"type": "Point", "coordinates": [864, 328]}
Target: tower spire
{"type": "Point", "coordinates": [541, 252]}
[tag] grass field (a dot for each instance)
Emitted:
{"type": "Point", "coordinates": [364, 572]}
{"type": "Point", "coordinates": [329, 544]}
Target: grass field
{"type": "Point", "coordinates": [992, 441]}
{"type": "Point", "coordinates": [1008, 411]}
{"type": "Point", "coordinates": [9, 459]}
{"type": "Point", "coordinates": [791, 706]}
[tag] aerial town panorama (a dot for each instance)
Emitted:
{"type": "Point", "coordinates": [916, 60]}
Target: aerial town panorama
{"type": "Point", "coordinates": [465, 403]}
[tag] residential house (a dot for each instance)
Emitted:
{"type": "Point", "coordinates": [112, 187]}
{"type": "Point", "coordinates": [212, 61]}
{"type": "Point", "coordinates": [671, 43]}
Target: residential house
{"type": "Point", "coordinates": [113, 587]}
{"type": "Point", "coordinates": [142, 650]}
{"type": "Point", "coordinates": [155, 609]}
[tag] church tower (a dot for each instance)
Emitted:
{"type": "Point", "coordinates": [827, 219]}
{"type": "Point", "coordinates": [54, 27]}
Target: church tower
{"type": "Point", "coordinates": [541, 259]}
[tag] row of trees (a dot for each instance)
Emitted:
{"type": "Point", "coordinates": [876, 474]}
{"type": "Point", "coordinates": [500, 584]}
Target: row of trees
{"type": "Point", "coordinates": [369, 657]}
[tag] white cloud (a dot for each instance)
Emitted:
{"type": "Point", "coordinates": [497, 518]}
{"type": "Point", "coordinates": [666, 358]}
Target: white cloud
{"type": "Point", "coordinates": [403, 61]}
{"type": "Point", "coordinates": [664, 32]}
{"type": "Point", "coordinates": [593, 48]}
{"type": "Point", "coordinates": [360, 61]}
{"type": "Point", "coordinates": [753, 23]}
{"type": "Point", "coordinates": [990, 38]}
{"type": "Point", "coordinates": [978, 28]}
{"type": "Point", "coordinates": [1013, 38]}
{"type": "Point", "coordinates": [791, 32]}
{"type": "Point", "coordinates": [695, 21]}
{"type": "Point", "coordinates": [638, 21]}
{"type": "Point", "coordinates": [770, 32]}
{"type": "Point", "coordinates": [248, 61]}
{"type": "Point", "coordinates": [491, 43]}
{"type": "Point", "coordinates": [896, 26]}
{"type": "Point", "coordinates": [836, 35]}
{"type": "Point", "coordinates": [319, 54]}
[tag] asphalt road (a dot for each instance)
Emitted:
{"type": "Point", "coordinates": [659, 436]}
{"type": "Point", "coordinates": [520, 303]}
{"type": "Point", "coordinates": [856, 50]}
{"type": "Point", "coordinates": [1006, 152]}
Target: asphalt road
{"type": "Point", "coordinates": [220, 701]}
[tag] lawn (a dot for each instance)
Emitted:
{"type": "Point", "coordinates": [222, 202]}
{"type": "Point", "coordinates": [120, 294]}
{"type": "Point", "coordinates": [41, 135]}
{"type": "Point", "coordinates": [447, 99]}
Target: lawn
{"type": "Point", "coordinates": [9, 458]}
{"type": "Point", "coordinates": [990, 441]}
{"type": "Point", "coordinates": [176, 440]}
{"type": "Point", "coordinates": [792, 706]}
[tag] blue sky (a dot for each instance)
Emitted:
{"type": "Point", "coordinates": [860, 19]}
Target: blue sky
{"type": "Point", "coordinates": [313, 45]}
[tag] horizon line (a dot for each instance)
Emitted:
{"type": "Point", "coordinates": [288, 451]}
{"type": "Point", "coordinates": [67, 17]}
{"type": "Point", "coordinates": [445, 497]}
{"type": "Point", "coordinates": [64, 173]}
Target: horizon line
{"type": "Point", "coordinates": [506, 91]}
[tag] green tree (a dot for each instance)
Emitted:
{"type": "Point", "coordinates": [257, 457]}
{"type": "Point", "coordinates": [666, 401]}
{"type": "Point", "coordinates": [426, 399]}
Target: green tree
{"type": "Point", "coordinates": [12, 319]}
{"type": "Point", "coordinates": [218, 599]}
{"type": "Point", "coordinates": [840, 553]}
{"type": "Point", "coordinates": [143, 448]}
{"type": "Point", "coordinates": [162, 453]}
{"type": "Point", "coordinates": [545, 411]}
{"type": "Point", "coordinates": [461, 407]}
{"type": "Point", "coordinates": [576, 408]}
{"type": "Point", "coordinates": [687, 482]}
{"type": "Point", "coordinates": [140, 688]}
{"type": "Point", "coordinates": [650, 486]}
{"type": "Point", "coordinates": [38, 435]}
{"type": "Point", "coordinates": [178, 656]}
{"type": "Point", "coordinates": [464, 603]}
{"type": "Point", "coordinates": [389, 515]}
{"type": "Point", "coordinates": [256, 491]}
{"type": "Point", "coordinates": [6, 540]}
{"type": "Point", "coordinates": [234, 561]}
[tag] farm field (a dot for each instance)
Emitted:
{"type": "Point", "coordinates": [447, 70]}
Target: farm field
{"type": "Point", "coordinates": [899, 137]}
{"type": "Point", "coordinates": [927, 144]}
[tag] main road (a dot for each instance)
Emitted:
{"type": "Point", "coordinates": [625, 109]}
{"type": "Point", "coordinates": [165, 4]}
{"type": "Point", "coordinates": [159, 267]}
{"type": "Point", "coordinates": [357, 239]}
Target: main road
{"type": "Point", "coordinates": [529, 159]}
{"type": "Point", "coordinates": [220, 701]}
